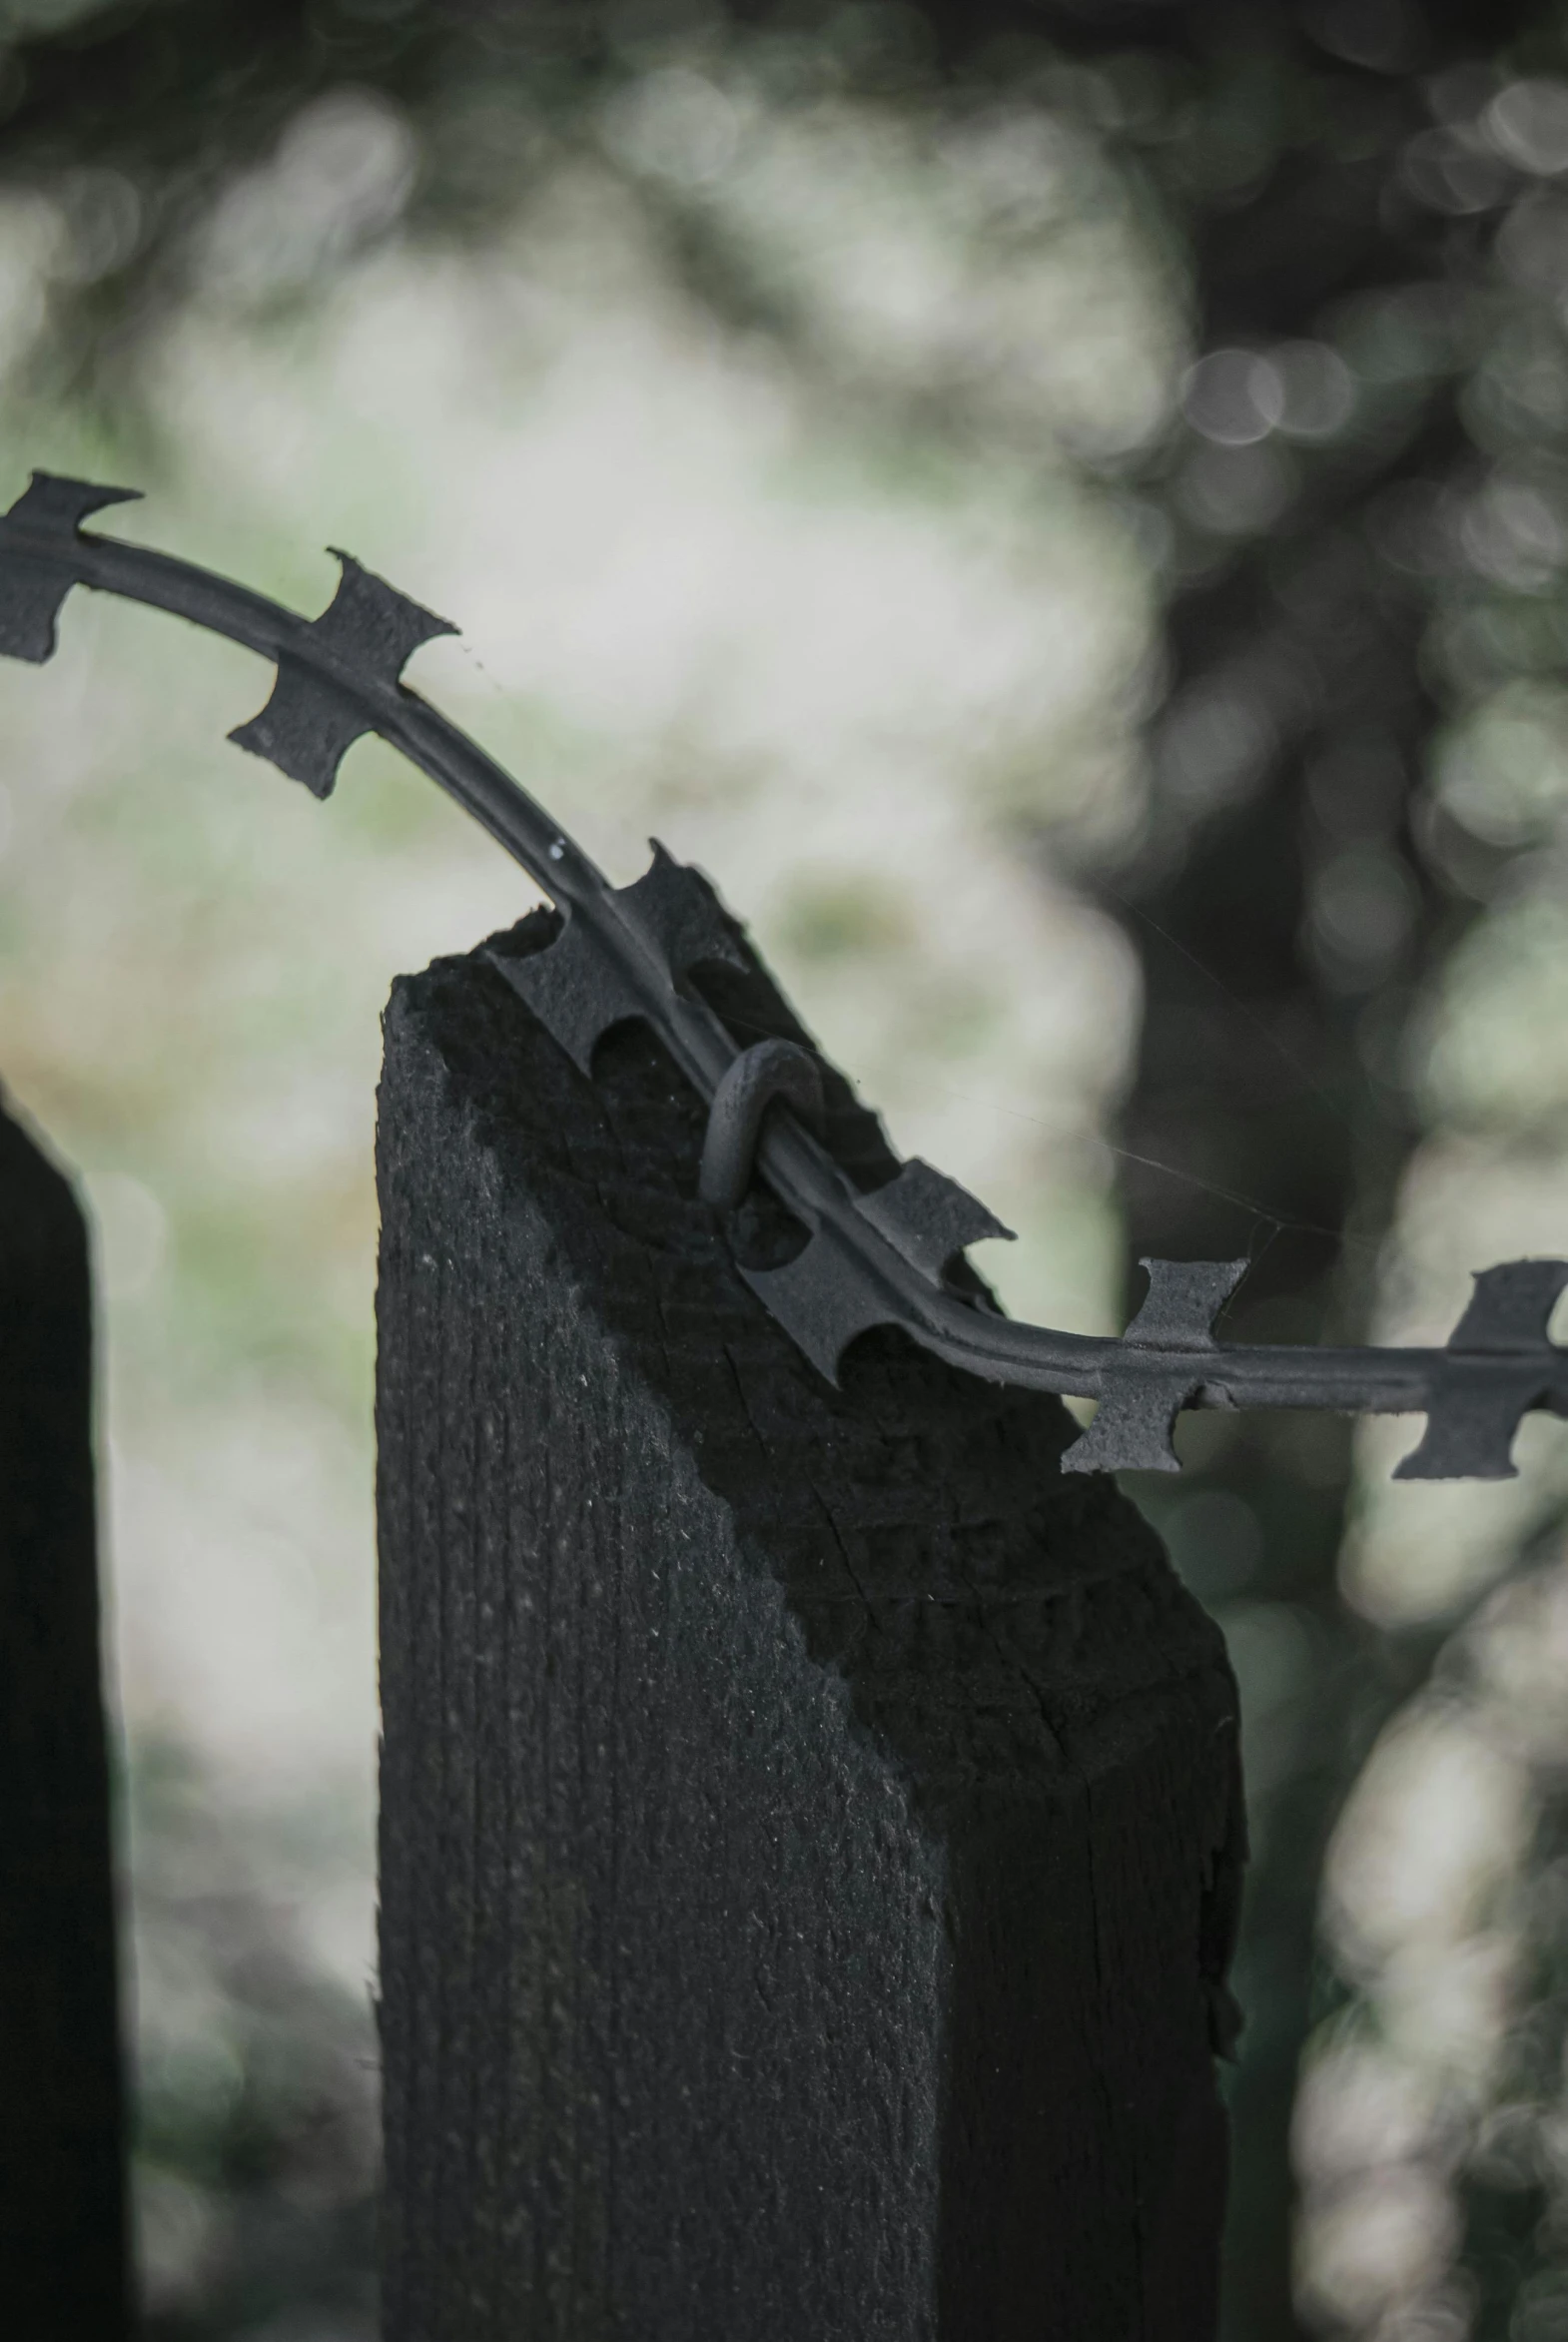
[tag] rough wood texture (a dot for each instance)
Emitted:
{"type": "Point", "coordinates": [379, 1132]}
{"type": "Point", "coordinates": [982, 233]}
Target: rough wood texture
{"type": "Point", "coordinates": [62, 2216]}
{"type": "Point", "coordinates": [809, 1826]}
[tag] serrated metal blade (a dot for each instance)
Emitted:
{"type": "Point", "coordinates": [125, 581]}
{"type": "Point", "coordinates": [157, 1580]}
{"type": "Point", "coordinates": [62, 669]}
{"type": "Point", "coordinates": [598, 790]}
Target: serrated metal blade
{"type": "Point", "coordinates": [928, 1218]}
{"type": "Point", "coordinates": [32, 588]}
{"type": "Point", "coordinates": [311, 721]}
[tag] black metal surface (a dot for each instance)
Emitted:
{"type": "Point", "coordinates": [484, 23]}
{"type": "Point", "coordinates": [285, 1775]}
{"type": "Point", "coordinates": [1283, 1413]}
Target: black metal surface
{"type": "Point", "coordinates": [769, 1073]}
{"type": "Point", "coordinates": [869, 1260]}
{"type": "Point", "coordinates": [580, 989]}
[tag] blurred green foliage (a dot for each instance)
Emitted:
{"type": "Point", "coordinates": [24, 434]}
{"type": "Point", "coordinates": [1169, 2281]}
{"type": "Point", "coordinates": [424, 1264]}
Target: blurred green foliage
{"type": "Point", "coordinates": [257, 2091]}
{"type": "Point", "coordinates": [1342, 881]}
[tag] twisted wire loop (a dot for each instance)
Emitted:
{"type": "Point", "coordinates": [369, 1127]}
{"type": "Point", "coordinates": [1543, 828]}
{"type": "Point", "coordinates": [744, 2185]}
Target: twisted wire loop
{"type": "Point", "coordinates": [870, 1260]}
{"type": "Point", "coordinates": [770, 1072]}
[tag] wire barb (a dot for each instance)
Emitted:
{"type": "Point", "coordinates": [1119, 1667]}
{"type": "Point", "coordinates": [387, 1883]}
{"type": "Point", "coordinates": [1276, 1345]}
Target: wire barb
{"type": "Point", "coordinates": [370, 630]}
{"type": "Point", "coordinates": [929, 1218]}
{"type": "Point", "coordinates": [579, 992]}
{"type": "Point", "coordinates": [48, 512]}
{"type": "Point", "coordinates": [1143, 1394]}
{"type": "Point", "coordinates": [1475, 1404]}
{"type": "Point", "coordinates": [824, 1299]}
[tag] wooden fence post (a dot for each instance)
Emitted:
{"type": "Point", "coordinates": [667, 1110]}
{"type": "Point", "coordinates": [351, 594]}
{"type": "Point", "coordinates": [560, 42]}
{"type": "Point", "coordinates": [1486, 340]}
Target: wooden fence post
{"type": "Point", "coordinates": [809, 1823]}
{"type": "Point", "coordinates": [63, 2262]}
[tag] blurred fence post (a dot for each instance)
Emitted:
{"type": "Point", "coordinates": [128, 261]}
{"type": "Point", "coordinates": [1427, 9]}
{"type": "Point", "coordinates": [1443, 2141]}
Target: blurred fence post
{"type": "Point", "coordinates": [809, 1825]}
{"type": "Point", "coordinates": [63, 2251]}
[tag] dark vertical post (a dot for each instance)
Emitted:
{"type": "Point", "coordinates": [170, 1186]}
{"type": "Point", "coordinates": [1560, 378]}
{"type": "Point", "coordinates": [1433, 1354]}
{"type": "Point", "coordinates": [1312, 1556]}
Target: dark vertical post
{"type": "Point", "coordinates": [809, 1824]}
{"type": "Point", "coordinates": [62, 2190]}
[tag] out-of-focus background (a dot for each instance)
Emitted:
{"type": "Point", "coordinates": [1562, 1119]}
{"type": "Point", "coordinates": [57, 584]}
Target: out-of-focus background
{"type": "Point", "coordinates": [1063, 511]}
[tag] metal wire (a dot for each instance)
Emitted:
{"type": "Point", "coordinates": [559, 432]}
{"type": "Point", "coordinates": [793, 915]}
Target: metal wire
{"type": "Point", "coordinates": [870, 1260]}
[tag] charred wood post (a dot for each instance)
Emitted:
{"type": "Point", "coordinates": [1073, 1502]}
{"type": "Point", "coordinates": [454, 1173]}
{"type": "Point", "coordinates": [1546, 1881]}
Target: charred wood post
{"type": "Point", "coordinates": [62, 2256]}
{"type": "Point", "coordinates": [809, 1824]}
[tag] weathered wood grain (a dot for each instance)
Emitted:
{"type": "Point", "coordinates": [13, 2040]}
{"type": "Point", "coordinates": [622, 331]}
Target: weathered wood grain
{"type": "Point", "coordinates": [62, 2192]}
{"type": "Point", "coordinates": [810, 1825]}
